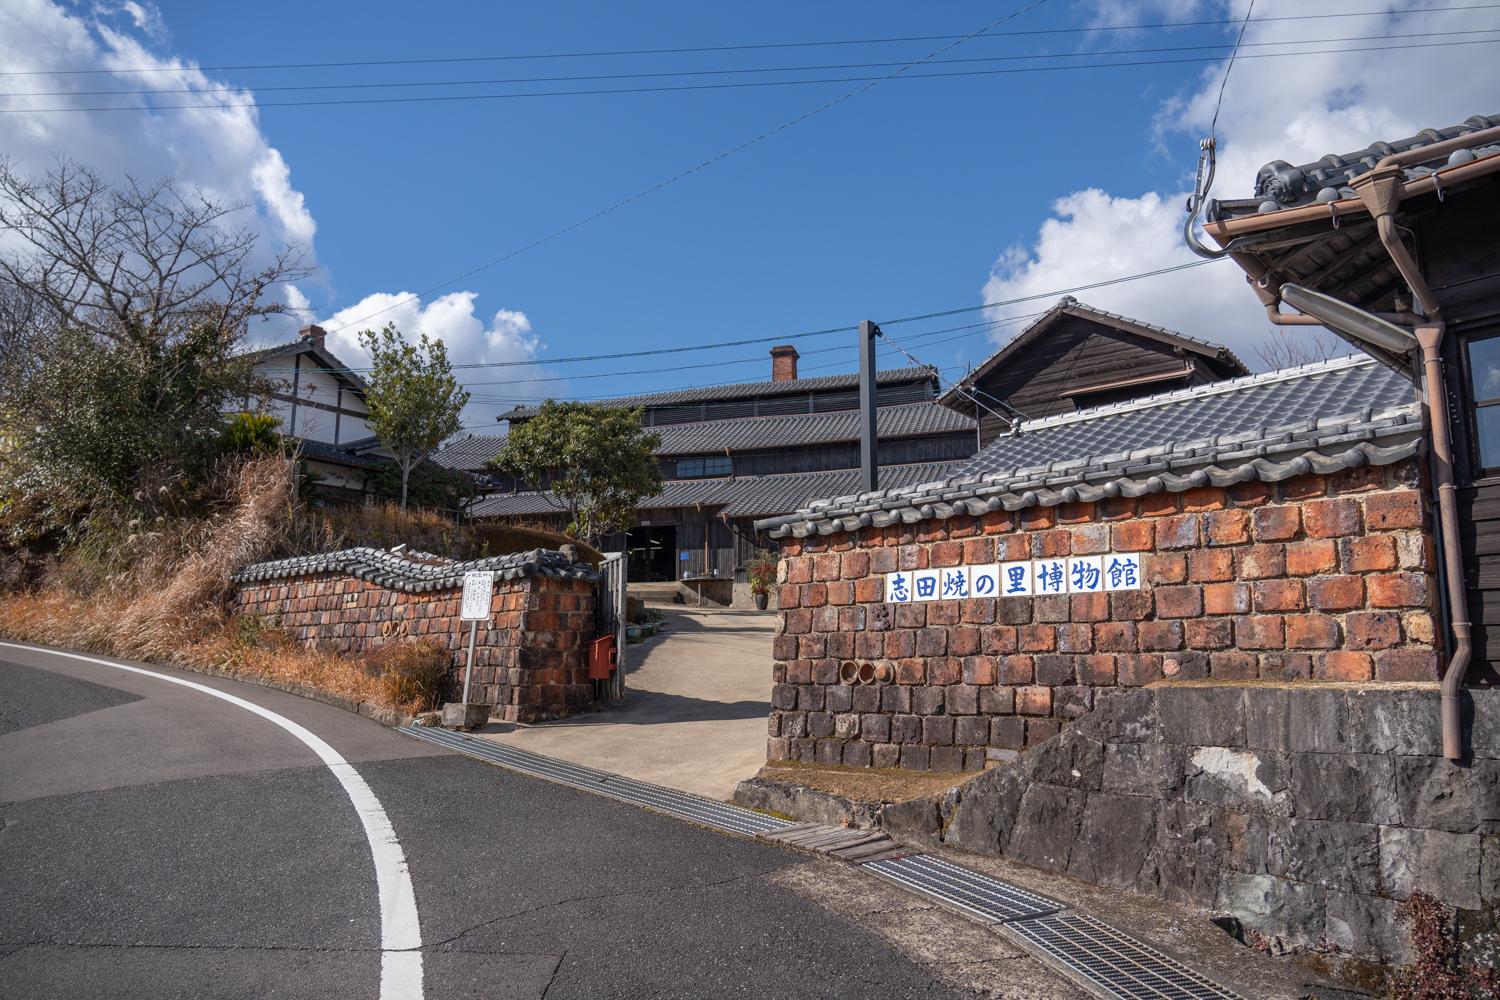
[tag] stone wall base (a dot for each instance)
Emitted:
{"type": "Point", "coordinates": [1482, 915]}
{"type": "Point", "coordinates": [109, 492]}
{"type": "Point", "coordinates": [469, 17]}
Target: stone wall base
{"type": "Point", "coordinates": [1307, 811]}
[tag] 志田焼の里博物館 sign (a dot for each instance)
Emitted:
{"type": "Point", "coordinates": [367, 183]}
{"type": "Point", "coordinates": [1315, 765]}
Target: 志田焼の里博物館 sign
{"type": "Point", "coordinates": [1024, 578]}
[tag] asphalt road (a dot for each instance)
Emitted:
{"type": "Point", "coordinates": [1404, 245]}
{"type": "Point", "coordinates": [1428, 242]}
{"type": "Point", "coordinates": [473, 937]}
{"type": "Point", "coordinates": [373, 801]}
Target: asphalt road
{"type": "Point", "coordinates": [157, 841]}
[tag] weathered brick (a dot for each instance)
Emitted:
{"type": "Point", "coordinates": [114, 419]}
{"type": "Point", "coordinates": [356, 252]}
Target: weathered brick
{"type": "Point", "coordinates": [1180, 531]}
{"type": "Point", "coordinates": [927, 700]}
{"type": "Point", "coordinates": [1278, 595]}
{"type": "Point", "coordinates": [998, 639]}
{"type": "Point", "coordinates": [1054, 669]}
{"type": "Point", "coordinates": [963, 641]}
{"type": "Point", "coordinates": [1261, 561]}
{"type": "Point", "coordinates": [1160, 635]}
{"type": "Point", "coordinates": [944, 612]}
{"type": "Point", "coordinates": [1116, 637]}
{"type": "Point", "coordinates": [1417, 626]}
{"type": "Point", "coordinates": [826, 566]}
{"type": "Point", "coordinates": [1371, 630]}
{"type": "Point", "coordinates": [1210, 565]}
{"type": "Point", "coordinates": [961, 699]}
{"type": "Point", "coordinates": [1312, 632]}
{"type": "Point", "coordinates": [945, 554]}
{"type": "Point", "coordinates": [978, 550]}
{"type": "Point", "coordinates": [1311, 557]}
{"type": "Point", "coordinates": [1407, 665]}
{"type": "Point", "coordinates": [1233, 665]}
{"type": "Point", "coordinates": [1394, 510]}
{"type": "Point", "coordinates": [980, 670]}
{"type": "Point", "coordinates": [937, 730]}
{"type": "Point", "coordinates": [997, 700]}
{"type": "Point", "coordinates": [1165, 568]}
{"type": "Point", "coordinates": [932, 642]}
{"type": "Point", "coordinates": [1227, 527]}
{"type": "Point", "coordinates": [1034, 700]}
{"type": "Point", "coordinates": [1397, 590]}
{"type": "Point", "coordinates": [1331, 518]}
{"type": "Point", "coordinates": [1133, 536]}
{"type": "Point", "coordinates": [1098, 669]}
{"type": "Point", "coordinates": [1087, 607]}
{"type": "Point", "coordinates": [1179, 602]}
{"type": "Point", "coordinates": [1276, 524]}
{"type": "Point", "coordinates": [1090, 539]}
{"type": "Point", "coordinates": [1037, 638]}
{"type": "Point", "coordinates": [1209, 633]}
{"type": "Point", "coordinates": [814, 595]}
{"type": "Point", "coordinates": [1130, 605]}
{"type": "Point", "coordinates": [1016, 669]}
{"type": "Point", "coordinates": [1008, 732]}
{"type": "Point", "coordinates": [1368, 553]}
{"type": "Point", "coordinates": [1260, 632]}
{"type": "Point", "coordinates": [1342, 665]}
{"type": "Point", "coordinates": [1204, 498]}
{"type": "Point", "coordinates": [1335, 593]}
{"type": "Point", "coordinates": [1226, 599]}
{"type": "Point", "coordinates": [972, 730]}
{"type": "Point", "coordinates": [1075, 637]}
{"type": "Point", "coordinates": [854, 565]}
{"type": "Point", "coordinates": [944, 670]}
{"type": "Point", "coordinates": [1138, 669]}
{"type": "Point", "coordinates": [1040, 731]}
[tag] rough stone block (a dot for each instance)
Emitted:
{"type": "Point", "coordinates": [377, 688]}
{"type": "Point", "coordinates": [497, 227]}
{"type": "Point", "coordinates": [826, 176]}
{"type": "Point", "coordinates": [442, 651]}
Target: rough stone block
{"type": "Point", "coordinates": [1244, 780]}
{"type": "Point", "coordinates": [1366, 927]}
{"type": "Point", "coordinates": [1275, 907]}
{"type": "Point", "coordinates": [1047, 822]}
{"type": "Point", "coordinates": [1122, 716]}
{"type": "Point", "coordinates": [1151, 769]}
{"type": "Point", "coordinates": [1442, 864]}
{"type": "Point", "coordinates": [1391, 720]}
{"type": "Point", "coordinates": [985, 815]}
{"type": "Point", "coordinates": [1342, 856]}
{"type": "Point", "coordinates": [1354, 788]}
{"type": "Point", "coordinates": [1071, 760]}
{"type": "Point", "coordinates": [1443, 795]}
{"type": "Point", "coordinates": [1201, 716]}
{"type": "Point", "coordinates": [1114, 839]}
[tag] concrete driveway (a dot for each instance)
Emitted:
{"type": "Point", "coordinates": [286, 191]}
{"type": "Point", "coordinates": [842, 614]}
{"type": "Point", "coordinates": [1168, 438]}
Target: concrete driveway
{"type": "Point", "coordinates": [694, 714]}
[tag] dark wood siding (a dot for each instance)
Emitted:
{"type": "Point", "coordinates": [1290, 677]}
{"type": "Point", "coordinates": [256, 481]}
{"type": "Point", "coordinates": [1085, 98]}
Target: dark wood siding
{"type": "Point", "coordinates": [1077, 353]}
{"type": "Point", "coordinates": [841, 455]}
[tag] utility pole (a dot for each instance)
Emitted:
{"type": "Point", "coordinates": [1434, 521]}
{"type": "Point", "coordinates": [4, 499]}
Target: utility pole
{"type": "Point", "coordinates": [869, 467]}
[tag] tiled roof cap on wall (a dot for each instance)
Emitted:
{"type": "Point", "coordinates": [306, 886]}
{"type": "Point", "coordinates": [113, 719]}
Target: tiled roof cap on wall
{"type": "Point", "coordinates": [418, 572]}
{"type": "Point", "coordinates": [1319, 418]}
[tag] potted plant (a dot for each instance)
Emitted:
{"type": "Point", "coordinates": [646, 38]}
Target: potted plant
{"type": "Point", "coordinates": [761, 573]}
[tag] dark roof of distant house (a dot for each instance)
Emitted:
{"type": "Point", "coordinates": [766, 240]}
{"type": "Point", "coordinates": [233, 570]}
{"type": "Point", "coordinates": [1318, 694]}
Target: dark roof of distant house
{"type": "Point", "coordinates": [338, 454]}
{"type": "Point", "coordinates": [327, 360]}
{"type": "Point", "coordinates": [746, 496]}
{"type": "Point", "coordinates": [469, 454]}
{"type": "Point", "coordinates": [1317, 418]}
{"type": "Point", "coordinates": [1225, 359]}
{"type": "Point", "coordinates": [1280, 185]}
{"type": "Point", "coordinates": [749, 433]}
{"type": "Point", "coordinates": [746, 390]}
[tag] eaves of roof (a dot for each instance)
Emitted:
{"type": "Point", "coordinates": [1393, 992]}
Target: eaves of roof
{"type": "Point", "coordinates": [1069, 306]}
{"type": "Point", "coordinates": [410, 574]}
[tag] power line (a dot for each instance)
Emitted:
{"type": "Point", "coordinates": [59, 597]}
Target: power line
{"type": "Point", "coordinates": [386, 85]}
{"type": "Point", "coordinates": [1213, 128]}
{"type": "Point", "coordinates": [743, 85]}
{"type": "Point", "coordinates": [775, 338]}
{"type": "Point", "coordinates": [743, 47]}
{"type": "Point", "coordinates": [645, 192]}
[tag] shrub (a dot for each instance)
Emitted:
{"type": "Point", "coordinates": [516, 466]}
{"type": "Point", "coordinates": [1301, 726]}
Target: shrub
{"type": "Point", "coordinates": [1438, 971]}
{"type": "Point", "coordinates": [412, 674]}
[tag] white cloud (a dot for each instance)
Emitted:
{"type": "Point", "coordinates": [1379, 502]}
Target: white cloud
{"type": "Point", "coordinates": [451, 318]}
{"type": "Point", "coordinates": [1294, 109]}
{"type": "Point", "coordinates": [219, 149]}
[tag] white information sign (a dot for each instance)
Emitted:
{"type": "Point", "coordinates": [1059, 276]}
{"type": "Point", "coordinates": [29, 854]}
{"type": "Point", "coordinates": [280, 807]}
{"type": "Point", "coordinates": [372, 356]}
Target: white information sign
{"type": "Point", "coordinates": [479, 590]}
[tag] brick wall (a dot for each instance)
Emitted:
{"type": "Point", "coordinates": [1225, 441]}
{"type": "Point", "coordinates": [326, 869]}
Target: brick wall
{"type": "Point", "coordinates": [530, 661]}
{"type": "Point", "coordinates": [1316, 577]}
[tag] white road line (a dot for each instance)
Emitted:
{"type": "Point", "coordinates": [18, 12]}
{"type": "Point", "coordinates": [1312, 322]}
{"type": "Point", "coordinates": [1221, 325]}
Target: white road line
{"type": "Point", "coordinates": [400, 928]}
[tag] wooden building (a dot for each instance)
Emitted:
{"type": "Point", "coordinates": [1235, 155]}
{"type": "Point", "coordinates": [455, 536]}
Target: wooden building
{"type": "Point", "coordinates": [731, 454]}
{"type": "Point", "coordinates": [1074, 357]}
{"type": "Point", "coordinates": [1435, 197]}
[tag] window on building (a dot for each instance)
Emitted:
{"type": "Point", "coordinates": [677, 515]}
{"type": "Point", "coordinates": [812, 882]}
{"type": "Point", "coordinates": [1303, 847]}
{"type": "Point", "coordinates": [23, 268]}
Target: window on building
{"type": "Point", "coordinates": [702, 468]}
{"type": "Point", "coordinates": [1484, 387]}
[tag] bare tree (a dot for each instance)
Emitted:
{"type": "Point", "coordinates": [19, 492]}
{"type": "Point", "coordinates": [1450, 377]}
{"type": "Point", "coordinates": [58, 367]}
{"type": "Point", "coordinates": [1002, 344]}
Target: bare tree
{"type": "Point", "coordinates": [1288, 347]}
{"type": "Point", "coordinates": [131, 263]}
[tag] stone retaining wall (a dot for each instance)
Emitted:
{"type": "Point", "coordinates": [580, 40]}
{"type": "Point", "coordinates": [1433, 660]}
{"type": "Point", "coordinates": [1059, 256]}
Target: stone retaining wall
{"type": "Point", "coordinates": [530, 660]}
{"type": "Point", "coordinates": [1326, 577]}
{"type": "Point", "coordinates": [1306, 811]}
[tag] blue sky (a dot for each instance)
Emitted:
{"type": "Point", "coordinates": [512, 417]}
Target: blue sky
{"type": "Point", "coordinates": [914, 196]}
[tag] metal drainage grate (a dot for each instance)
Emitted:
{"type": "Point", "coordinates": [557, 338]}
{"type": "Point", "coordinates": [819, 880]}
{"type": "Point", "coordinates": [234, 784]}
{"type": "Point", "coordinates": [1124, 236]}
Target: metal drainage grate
{"type": "Point", "coordinates": [975, 894]}
{"type": "Point", "coordinates": [1115, 964]}
{"type": "Point", "coordinates": [694, 808]}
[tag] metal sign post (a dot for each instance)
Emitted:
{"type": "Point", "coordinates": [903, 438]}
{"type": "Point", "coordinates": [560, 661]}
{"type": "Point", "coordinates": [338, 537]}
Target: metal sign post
{"type": "Point", "coordinates": [479, 591]}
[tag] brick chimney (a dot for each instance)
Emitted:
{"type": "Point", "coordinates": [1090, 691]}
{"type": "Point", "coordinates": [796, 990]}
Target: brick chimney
{"type": "Point", "coordinates": [313, 333]}
{"type": "Point", "coordinates": [784, 363]}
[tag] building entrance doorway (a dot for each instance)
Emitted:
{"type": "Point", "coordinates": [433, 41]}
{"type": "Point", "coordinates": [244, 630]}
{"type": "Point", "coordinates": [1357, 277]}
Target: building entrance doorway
{"type": "Point", "coordinates": [653, 553]}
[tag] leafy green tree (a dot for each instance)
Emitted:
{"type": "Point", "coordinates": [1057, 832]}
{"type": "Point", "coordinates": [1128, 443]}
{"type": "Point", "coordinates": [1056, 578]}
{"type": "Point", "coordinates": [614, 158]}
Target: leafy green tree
{"type": "Point", "coordinates": [598, 461]}
{"type": "Point", "coordinates": [430, 485]}
{"type": "Point", "coordinates": [413, 397]}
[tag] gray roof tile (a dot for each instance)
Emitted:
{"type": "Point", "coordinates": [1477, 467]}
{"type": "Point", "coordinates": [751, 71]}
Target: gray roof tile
{"type": "Point", "coordinates": [746, 390]}
{"type": "Point", "coordinates": [469, 454]}
{"type": "Point", "coordinates": [417, 572]}
{"type": "Point", "coordinates": [748, 433]}
{"type": "Point", "coordinates": [1317, 418]}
